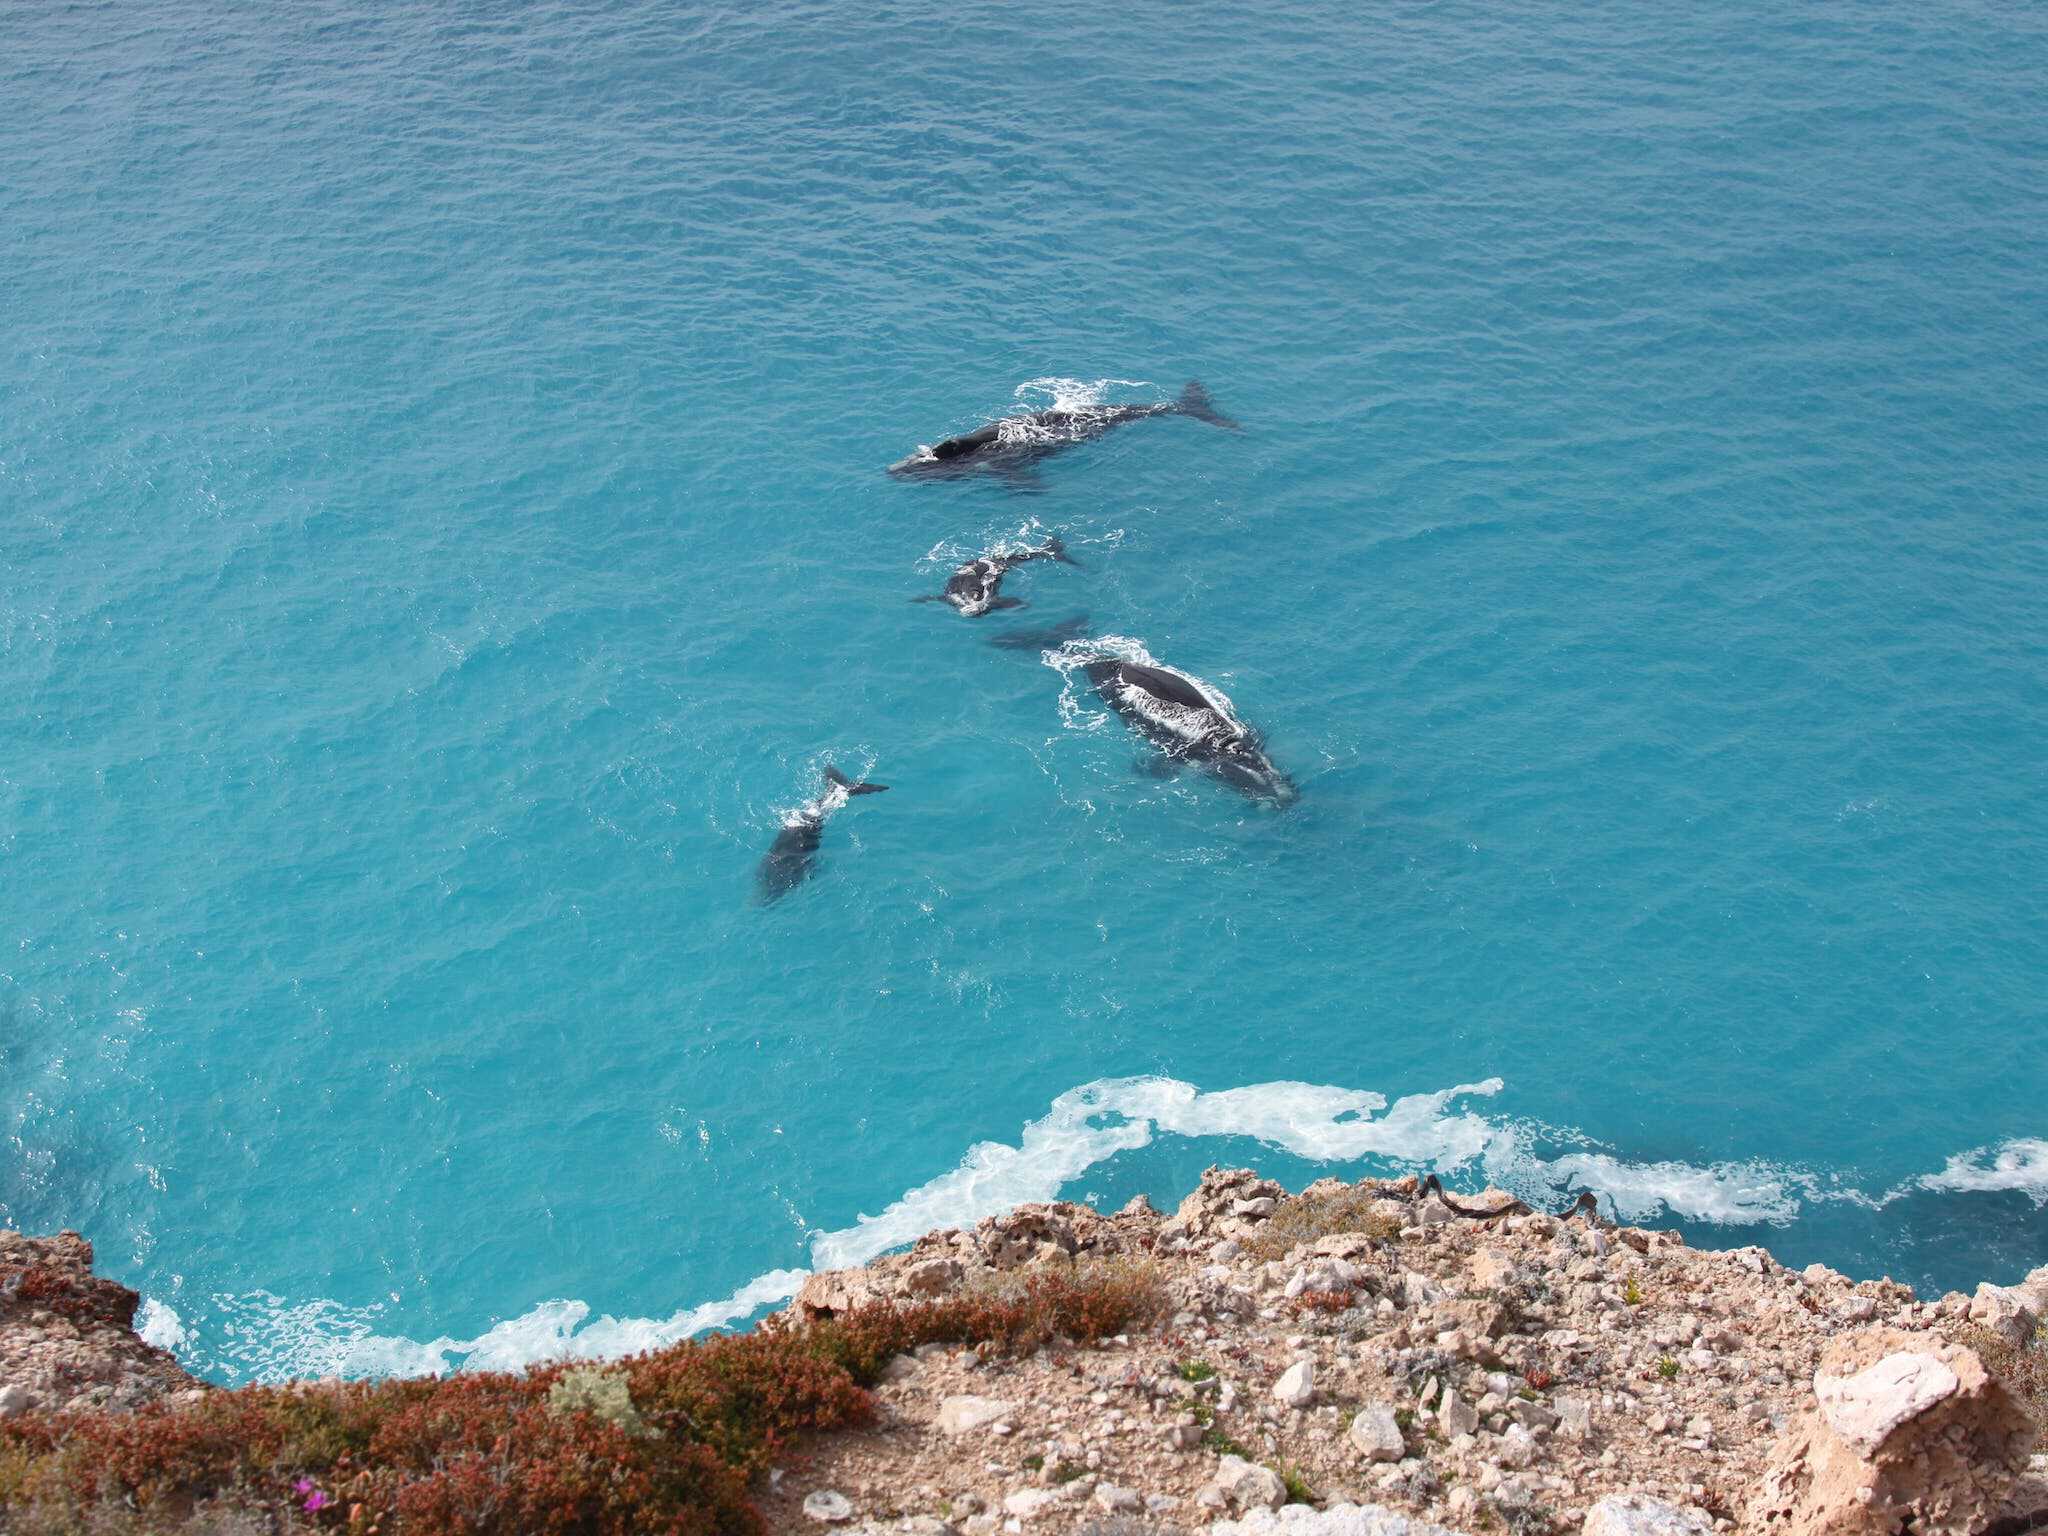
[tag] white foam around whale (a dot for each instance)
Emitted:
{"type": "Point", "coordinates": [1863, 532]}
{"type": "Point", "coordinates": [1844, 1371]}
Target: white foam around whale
{"type": "Point", "coordinates": [1068, 660]}
{"type": "Point", "coordinates": [261, 1337]}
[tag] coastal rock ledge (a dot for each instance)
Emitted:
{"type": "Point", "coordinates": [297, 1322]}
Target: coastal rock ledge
{"type": "Point", "coordinates": [1372, 1359]}
{"type": "Point", "coordinates": [67, 1337]}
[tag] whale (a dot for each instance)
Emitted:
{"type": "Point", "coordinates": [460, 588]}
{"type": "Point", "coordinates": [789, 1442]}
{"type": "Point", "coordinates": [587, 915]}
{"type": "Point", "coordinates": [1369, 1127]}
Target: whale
{"type": "Point", "coordinates": [975, 588]}
{"type": "Point", "coordinates": [1190, 722]}
{"type": "Point", "coordinates": [793, 857]}
{"type": "Point", "coordinates": [1014, 446]}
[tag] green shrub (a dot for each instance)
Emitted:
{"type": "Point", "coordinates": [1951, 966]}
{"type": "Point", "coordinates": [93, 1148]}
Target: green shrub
{"type": "Point", "coordinates": [1298, 1490]}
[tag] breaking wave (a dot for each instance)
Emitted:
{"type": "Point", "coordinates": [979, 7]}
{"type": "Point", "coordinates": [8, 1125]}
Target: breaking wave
{"type": "Point", "coordinates": [262, 1337]}
{"type": "Point", "coordinates": [2020, 1165]}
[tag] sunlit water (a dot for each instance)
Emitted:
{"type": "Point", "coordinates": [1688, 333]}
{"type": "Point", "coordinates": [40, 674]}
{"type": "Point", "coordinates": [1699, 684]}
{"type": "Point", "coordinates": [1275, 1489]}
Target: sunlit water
{"type": "Point", "coordinates": [443, 530]}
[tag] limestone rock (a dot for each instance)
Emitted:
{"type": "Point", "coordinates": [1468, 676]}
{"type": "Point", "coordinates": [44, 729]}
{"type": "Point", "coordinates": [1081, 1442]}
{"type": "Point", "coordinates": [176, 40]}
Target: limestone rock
{"type": "Point", "coordinates": [1247, 1486]}
{"type": "Point", "coordinates": [1892, 1445]}
{"type": "Point", "coordinates": [1866, 1407]}
{"type": "Point", "coordinates": [2011, 1312]}
{"type": "Point", "coordinates": [1457, 1416]}
{"type": "Point", "coordinates": [67, 1336]}
{"type": "Point", "coordinates": [931, 1277]}
{"type": "Point", "coordinates": [1376, 1434]}
{"type": "Point", "coordinates": [960, 1415]}
{"type": "Point", "coordinates": [831, 1292]}
{"type": "Point", "coordinates": [1637, 1514]}
{"type": "Point", "coordinates": [1296, 1387]}
{"type": "Point", "coordinates": [1491, 1270]}
{"type": "Point", "coordinates": [1337, 1520]}
{"type": "Point", "coordinates": [1030, 1503]}
{"type": "Point", "coordinates": [828, 1507]}
{"type": "Point", "coordinates": [1117, 1501]}
{"type": "Point", "coordinates": [1211, 1210]}
{"type": "Point", "coordinates": [1516, 1448]}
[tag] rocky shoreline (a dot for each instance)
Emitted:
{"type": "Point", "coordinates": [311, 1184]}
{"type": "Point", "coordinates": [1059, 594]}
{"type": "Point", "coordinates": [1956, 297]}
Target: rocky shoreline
{"type": "Point", "coordinates": [1393, 1354]}
{"type": "Point", "coordinates": [1357, 1359]}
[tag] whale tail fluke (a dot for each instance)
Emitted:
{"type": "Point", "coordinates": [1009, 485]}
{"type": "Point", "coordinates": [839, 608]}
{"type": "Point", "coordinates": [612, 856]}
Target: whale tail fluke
{"type": "Point", "coordinates": [1195, 402]}
{"type": "Point", "coordinates": [834, 776]}
{"type": "Point", "coordinates": [1057, 549]}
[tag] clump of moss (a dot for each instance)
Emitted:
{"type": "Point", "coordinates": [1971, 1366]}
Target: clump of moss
{"type": "Point", "coordinates": [1304, 1218]}
{"type": "Point", "coordinates": [1668, 1368]}
{"type": "Point", "coordinates": [1194, 1370]}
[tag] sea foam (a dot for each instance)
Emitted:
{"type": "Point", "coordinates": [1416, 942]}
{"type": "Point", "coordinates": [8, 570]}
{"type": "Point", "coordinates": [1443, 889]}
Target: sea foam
{"type": "Point", "coordinates": [1085, 1127]}
{"type": "Point", "coordinates": [2020, 1165]}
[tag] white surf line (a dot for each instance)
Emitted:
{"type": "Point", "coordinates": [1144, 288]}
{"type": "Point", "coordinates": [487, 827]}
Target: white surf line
{"type": "Point", "coordinates": [1082, 1129]}
{"type": "Point", "coordinates": [2020, 1165]}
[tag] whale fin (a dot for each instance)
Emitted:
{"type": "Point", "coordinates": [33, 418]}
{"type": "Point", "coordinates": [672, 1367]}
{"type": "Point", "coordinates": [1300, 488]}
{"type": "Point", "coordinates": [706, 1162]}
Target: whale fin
{"type": "Point", "coordinates": [1057, 549]}
{"type": "Point", "coordinates": [834, 776]}
{"type": "Point", "coordinates": [1020, 477]}
{"type": "Point", "coordinates": [1195, 402]}
{"type": "Point", "coordinates": [1050, 639]}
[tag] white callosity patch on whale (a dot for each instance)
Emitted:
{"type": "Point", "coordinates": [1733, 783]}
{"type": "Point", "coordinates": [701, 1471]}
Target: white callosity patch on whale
{"type": "Point", "coordinates": [2020, 1165]}
{"type": "Point", "coordinates": [1084, 401]}
{"type": "Point", "coordinates": [1054, 393]}
{"type": "Point", "coordinates": [1193, 725]}
{"type": "Point", "coordinates": [263, 1338]}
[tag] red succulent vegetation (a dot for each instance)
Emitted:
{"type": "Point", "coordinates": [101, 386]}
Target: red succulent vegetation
{"type": "Point", "coordinates": [494, 1454]}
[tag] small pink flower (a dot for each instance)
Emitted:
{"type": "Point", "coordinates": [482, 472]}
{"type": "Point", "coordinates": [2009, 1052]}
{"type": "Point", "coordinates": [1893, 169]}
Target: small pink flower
{"type": "Point", "coordinates": [303, 1485]}
{"type": "Point", "coordinates": [317, 1500]}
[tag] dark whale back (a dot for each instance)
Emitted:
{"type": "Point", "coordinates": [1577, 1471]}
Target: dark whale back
{"type": "Point", "coordinates": [959, 447]}
{"type": "Point", "coordinates": [1161, 684]}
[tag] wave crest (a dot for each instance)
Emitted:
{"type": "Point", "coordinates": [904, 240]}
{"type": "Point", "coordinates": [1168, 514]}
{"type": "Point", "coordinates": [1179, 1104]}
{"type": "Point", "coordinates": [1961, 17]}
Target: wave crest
{"type": "Point", "coordinates": [2020, 1164]}
{"type": "Point", "coordinates": [261, 1337]}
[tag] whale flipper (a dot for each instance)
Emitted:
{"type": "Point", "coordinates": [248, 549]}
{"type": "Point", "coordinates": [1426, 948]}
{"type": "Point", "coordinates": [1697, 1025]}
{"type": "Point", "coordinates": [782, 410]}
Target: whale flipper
{"type": "Point", "coordinates": [1049, 639]}
{"type": "Point", "coordinates": [1195, 402]}
{"type": "Point", "coordinates": [1020, 477]}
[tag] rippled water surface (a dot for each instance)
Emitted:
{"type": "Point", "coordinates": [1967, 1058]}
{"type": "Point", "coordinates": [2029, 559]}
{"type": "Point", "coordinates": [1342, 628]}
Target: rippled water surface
{"type": "Point", "coordinates": [443, 531]}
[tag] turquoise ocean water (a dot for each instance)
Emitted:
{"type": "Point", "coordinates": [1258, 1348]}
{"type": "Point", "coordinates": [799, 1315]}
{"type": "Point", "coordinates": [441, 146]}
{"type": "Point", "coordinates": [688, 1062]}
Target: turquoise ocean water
{"type": "Point", "coordinates": [443, 528]}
